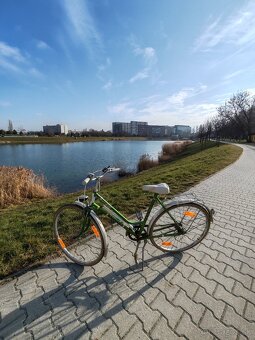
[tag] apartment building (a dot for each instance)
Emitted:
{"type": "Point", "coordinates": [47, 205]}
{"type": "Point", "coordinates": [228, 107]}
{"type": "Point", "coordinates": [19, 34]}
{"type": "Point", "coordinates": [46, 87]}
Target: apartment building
{"type": "Point", "coordinates": [135, 125]}
{"type": "Point", "coordinates": [120, 128]}
{"type": "Point", "coordinates": [137, 128]}
{"type": "Point", "coordinates": [58, 129]}
{"type": "Point", "coordinates": [182, 131]}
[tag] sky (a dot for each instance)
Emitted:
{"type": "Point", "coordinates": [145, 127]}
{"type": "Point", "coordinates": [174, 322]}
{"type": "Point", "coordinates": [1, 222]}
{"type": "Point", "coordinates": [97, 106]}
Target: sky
{"type": "Point", "coordinates": [87, 63]}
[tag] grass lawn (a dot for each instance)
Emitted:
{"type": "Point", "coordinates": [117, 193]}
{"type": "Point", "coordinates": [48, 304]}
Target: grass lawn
{"type": "Point", "coordinates": [26, 232]}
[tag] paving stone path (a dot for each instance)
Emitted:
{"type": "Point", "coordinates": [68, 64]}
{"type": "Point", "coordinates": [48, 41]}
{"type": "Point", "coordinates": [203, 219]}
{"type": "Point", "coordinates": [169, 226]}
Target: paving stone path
{"type": "Point", "coordinates": [205, 293]}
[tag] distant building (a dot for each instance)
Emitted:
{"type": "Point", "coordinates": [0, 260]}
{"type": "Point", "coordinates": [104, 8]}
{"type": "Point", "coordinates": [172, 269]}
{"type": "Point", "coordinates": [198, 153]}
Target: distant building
{"type": "Point", "coordinates": [119, 128]}
{"type": "Point", "coordinates": [132, 128]}
{"type": "Point", "coordinates": [59, 129]}
{"type": "Point", "coordinates": [136, 128]}
{"type": "Point", "coordinates": [159, 131]}
{"type": "Point", "coordinates": [182, 131]}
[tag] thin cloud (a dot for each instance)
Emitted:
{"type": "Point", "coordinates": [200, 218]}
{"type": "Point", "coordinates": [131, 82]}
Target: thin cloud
{"type": "Point", "coordinates": [80, 24]}
{"type": "Point", "coordinates": [233, 75]}
{"type": "Point", "coordinates": [149, 57]}
{"type": "Point", "coordinates": [42, 45]}
{"type": "Point", "coordinates": [148, 53]}
{"type": "Point", "coordinates": [11, 53]}
{"type": "Point", "coordinates": [177, 99]}
{"type": "Point", "coordinates": [9, 66]}
{"type": "Point", "coordinates": [163, 112]}
{"type": "Point", "coordinates": [140, 76]}
{"type": "Point", "coordinates": [35, 72]}
{"type": "Point", "coordinates": [181, 107]}
{"type": "Point", "coordinates": [107, 86]}
{"type": "Point", "coordinates": [12, 60]}
{"type": "Point", "coordinates": [237, 30]}
{"type": "Point", "coordinates": [123, 108]}
{"type": "Point", "coordinates": [185, 93]}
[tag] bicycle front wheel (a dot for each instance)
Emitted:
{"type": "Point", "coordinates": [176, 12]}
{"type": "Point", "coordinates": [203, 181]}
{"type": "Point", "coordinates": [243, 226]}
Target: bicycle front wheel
{"type": "Point", "coordinates": [79, 235]}
{"type": "Point", "coordinates": [179, 227]}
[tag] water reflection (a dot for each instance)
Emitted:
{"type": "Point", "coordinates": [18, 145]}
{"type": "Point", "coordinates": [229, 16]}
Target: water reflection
{"type": "Point", "coordinates": [65, 165]}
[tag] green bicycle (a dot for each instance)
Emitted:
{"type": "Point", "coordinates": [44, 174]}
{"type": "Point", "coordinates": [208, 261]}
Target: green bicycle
{"type": "Point", "coordinates": [175, 227]}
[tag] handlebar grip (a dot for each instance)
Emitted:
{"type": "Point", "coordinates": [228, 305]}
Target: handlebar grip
{"type": "Point", "coordinates": [86, 181]}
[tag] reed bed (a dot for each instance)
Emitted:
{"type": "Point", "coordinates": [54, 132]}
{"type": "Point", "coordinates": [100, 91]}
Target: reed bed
{"type": "Point", "coordinates": [170, 150]}
{"type": "Point", "coordinates": [18, 184]}
{"type": "Point", "coordinates": [146, 162]}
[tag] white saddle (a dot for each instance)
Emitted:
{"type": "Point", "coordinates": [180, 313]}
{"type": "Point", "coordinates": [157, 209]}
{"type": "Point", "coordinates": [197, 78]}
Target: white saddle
{"type": "Point", "coordinates": [161, 188]}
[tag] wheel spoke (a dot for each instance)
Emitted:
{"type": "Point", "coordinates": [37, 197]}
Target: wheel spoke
{"type": "Point", "coordinates": [80, 234]}
{"type": "Point", "coordinates": [193, 222]}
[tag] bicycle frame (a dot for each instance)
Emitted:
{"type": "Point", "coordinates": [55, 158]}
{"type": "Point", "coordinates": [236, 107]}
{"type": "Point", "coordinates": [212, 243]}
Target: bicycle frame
{"type": "Point", "coordinates": [136, 228]}
{"type": "Point", "coordinates": [158, 227]}
{"type": "Point", "coordinates": [100, 204]}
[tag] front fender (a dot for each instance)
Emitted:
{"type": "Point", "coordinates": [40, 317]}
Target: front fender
{"type": "Point", "coordinates": [100, 225]}
{"type": "Point", "coordinates": [102, 229]}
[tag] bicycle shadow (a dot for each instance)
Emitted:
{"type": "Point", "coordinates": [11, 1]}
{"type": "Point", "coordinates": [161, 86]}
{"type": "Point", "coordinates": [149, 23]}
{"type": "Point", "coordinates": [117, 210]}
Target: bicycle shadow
{"type": "Point", "coordinates": [89, 294]}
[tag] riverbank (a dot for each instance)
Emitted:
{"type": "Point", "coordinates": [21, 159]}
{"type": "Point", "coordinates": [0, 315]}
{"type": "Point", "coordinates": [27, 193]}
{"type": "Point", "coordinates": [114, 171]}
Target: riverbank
{"type": "Point", "coordinates": [60, 139]}
{"type": "Point", "coordinates": [26, 234]}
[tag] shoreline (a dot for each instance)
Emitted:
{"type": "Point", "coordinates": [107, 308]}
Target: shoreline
{"type": "Point", "coordinates": [64, 140]}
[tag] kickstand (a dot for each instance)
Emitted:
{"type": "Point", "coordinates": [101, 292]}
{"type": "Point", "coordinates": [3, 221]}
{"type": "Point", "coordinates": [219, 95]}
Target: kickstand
{"type": "Point", "coordinates": [145, 242]}
{"type": "Point", "coordinates": [135, 253]}
{"type": "Point", "coordinates": [136, 250]}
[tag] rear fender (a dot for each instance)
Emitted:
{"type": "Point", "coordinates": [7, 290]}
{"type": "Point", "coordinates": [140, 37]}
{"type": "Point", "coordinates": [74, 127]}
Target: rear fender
{"type": "Point", "coordinates": [184, 201]}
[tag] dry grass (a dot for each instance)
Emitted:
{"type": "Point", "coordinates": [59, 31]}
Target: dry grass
{"type": "Point", "coordinates": [146, 162]}
{"type": "Point", "coordinates": [169, 150]}
{"type": "Point", "coordinates": [18, 184]}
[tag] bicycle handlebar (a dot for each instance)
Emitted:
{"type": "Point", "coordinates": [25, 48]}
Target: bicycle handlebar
{"type": "Point", "coordinates": [86, 181]}
{"type": "Point", "coordinates": [91, 175]}
{"type": "Point", "coordinates": [104, 170]}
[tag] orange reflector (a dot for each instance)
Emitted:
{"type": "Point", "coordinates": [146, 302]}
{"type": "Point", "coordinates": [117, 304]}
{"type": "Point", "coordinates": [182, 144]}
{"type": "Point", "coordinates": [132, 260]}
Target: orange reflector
{"type": "Point", "coordinates": [190, 214]}
{"type": "Point", "coordinates": [95, 231]}
{"type": "Point", "coordinates": [61, 243]}
{"type": "Point", "coordinates": [167, 243]}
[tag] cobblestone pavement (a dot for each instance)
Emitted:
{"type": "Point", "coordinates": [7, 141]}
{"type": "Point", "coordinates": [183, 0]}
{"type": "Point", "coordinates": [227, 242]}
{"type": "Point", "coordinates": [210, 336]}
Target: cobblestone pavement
{"type": "Point", "coordinates": [207, 292]}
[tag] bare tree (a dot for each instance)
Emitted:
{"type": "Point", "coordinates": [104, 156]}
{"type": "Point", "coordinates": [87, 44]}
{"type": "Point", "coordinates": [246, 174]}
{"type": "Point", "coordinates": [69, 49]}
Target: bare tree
{"type": "Point", "coordinates": [237, 113]}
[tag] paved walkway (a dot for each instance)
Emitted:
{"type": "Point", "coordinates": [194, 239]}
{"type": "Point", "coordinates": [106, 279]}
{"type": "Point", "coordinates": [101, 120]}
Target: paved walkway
{"type": "Point", "coordinates": [205, 293]}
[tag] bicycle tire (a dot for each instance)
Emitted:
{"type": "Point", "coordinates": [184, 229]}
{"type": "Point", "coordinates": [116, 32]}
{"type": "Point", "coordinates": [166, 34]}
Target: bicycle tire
{"type": "Point", "coordinates": [79, 235]}
{"type": "Point", "coordinates": [195, 224]}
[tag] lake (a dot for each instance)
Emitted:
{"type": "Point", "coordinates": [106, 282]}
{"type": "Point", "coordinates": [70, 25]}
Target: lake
{"type": "Point", "coordinates": [66, 165]}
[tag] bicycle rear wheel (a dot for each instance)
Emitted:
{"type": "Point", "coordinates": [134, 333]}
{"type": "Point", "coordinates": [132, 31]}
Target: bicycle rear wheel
{"type": "Point", "coordinates": [179, 227]}
{"type": "Point", "coordinates": [79, 235]}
